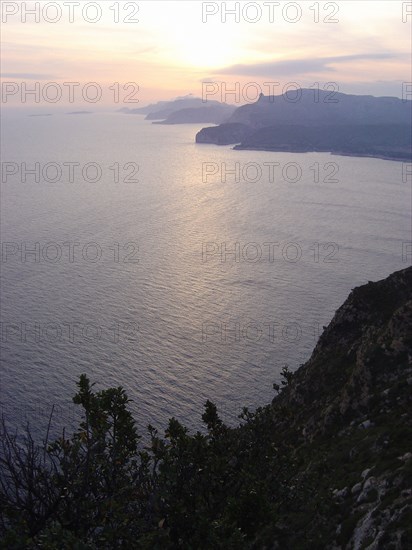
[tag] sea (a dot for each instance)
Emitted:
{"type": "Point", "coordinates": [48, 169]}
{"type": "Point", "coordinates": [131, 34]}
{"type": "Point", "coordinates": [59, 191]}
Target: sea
{"type": "Point", "coordinates": [179, 271]}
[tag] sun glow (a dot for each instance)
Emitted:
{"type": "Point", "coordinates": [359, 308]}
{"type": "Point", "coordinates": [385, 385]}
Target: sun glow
{"type": "Point", "coordinates": [172, 50]}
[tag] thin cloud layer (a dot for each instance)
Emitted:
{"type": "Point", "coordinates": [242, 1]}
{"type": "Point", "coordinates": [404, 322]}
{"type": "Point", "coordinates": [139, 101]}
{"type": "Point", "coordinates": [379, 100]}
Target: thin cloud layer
{"type": "Point", "coordinates": [291, 67]}
{"type": "Point", "coordinates": [30, 76]}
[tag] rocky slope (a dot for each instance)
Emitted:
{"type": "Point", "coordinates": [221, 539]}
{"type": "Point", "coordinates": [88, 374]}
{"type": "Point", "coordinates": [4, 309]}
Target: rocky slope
{"type": "Point", "coordinates": [348, 410]}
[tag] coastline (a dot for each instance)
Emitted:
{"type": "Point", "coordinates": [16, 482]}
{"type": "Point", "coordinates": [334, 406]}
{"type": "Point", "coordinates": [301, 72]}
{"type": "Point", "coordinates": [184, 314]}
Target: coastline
{"type": "Point", "coordinates": [335, 153]}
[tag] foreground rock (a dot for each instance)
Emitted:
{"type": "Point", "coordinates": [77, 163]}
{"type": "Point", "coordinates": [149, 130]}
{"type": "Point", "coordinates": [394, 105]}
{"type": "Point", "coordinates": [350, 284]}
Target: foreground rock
{"type": "Point", "coordinates": [348, 410]}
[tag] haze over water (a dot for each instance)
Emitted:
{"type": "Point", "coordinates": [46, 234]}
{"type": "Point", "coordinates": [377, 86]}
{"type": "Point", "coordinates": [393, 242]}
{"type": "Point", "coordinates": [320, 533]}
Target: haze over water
{"type": "Point", "coordinates": [178, 326]}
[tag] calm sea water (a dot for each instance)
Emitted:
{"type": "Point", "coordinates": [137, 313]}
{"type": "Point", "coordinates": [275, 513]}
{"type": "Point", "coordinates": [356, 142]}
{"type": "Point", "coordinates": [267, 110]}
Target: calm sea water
{"type": "Point", "coordinates": [176, 284]}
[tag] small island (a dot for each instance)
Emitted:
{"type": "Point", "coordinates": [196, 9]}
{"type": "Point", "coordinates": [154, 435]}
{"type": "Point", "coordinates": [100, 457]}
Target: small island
{"type": "Point", "coordinates": [80, 113]}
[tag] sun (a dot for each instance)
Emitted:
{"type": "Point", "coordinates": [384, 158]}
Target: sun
{"type": "Point", "coordinates": [189, 42]}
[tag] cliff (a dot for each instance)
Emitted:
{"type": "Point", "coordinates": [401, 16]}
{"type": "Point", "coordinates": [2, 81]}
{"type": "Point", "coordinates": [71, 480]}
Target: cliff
{"type": "Point", "coordinates": [348, 410]}
{"type": "Point", "coordinates": [319, 121]}
{"type": "Point", "coordinates": [225, 134]}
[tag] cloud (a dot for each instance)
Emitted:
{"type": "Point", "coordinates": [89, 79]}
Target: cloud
{"type": "Point", "coordinates": [380, 88]}
{"type": "Point", "coordinates": [30, 76]}
{"type": "Point", "coordinates": [299, 66]}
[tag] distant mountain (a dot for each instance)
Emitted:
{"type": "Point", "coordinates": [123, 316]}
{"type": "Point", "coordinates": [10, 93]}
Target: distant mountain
{"type": "Point", "coordinates": [144, 110]}
{"type": "Point", "coordinates": [320, 107]}
{"type": "Point", "coordinates": [184, 110]}
{"type": "Point", "coordinates": [191, 104]}
{"type": "Point", "coordinates": [353, 125]}
{"type": "Point", "coordinates": [215, 114]}
{"type": "Point", "coordinates": [176, 105]}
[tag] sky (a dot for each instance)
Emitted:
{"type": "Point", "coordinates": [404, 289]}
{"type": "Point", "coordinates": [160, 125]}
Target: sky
{"type": "Point", "coordinates": [156, 50]}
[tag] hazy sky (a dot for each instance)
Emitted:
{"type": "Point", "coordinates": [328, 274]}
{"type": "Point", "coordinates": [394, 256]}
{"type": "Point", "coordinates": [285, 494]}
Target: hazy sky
{"type": "Point", "coordinates": [170, 47]}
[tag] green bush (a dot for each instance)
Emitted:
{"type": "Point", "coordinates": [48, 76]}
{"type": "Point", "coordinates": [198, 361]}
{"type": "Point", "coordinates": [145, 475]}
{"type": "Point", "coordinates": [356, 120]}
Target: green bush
{"type": "Point", "coordinates": [101, 488]}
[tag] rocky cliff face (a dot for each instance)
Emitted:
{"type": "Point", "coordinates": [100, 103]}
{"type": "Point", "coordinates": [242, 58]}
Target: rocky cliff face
{"type": "Point", "coordinates": [367, 346]}
{"type": "Point", "coordinates": [313, 120]}
{"type": "Point", "coordinates": [225, 134]}
{"type": "Point", "coordinates": [348, 409]}
{"type": "Point", "coordinates": [393, 141]}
